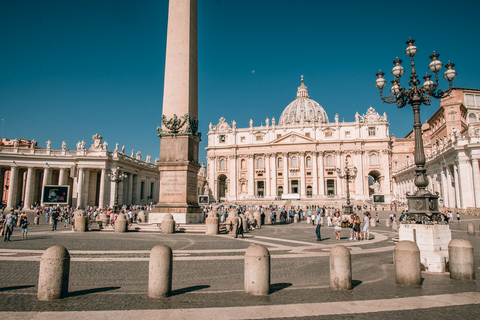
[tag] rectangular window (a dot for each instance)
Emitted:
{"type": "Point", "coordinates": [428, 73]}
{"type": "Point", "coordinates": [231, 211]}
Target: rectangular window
{"type": "Point", "coordinates": [328, 134]}
{"type": "Point", "coordinates": [347, 134]}
{"type": "Point", "coordinates": [307, 134]}
{"type": "Point", "coordinates": [259, 138]}
{"type": "Point", "coordinates": [371, 132]}
{"type": "Point", "coordinates": [279, 136]}
{"type": "Point", "coordinates": [242, 139]}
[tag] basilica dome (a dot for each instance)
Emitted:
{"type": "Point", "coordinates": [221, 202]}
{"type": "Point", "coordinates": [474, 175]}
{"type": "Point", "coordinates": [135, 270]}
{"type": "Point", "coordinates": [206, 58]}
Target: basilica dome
{"type": "Point", "coordinates": [303, 109]}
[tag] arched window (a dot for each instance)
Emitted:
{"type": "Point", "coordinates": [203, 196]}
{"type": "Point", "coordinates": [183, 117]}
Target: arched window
{"type": "Point", "coordinates": [472, 118]}
{"type": "Point", "coordinates": [294, 161]}
{"type": "Point", "coordinates": [280, 163]}
{"type": "Point", "coordinates": [260, 163]}
{"type": "Point", "coordinates": [243, 164]}
{"type": "Point", "coordinates": [373, 159]}
{"type": "Point", "coordinates": [222, 164]}
{"type": "Point", "coordinates": [309, 162]}
{"type": "Point", "coordinates": [329, 160]}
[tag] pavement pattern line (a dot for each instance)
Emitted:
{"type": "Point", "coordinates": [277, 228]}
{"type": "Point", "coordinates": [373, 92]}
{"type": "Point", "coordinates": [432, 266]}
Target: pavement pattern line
{"type": "Point", "coordinates": [264, 312]}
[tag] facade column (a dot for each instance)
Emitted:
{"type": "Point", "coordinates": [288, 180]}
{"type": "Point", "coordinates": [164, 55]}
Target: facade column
{"type": "Point", "coordinates": [476, 181]}
{"type": "Point", "coordinates": [29, 188]}
{"type": "Point", "coordinates": [273, 163]}
{"type": "Point", "coordinates": [233, 183]}
{"type": "Point", "coordinates": [12, 189]}
{"type": "Point", "coordinates": [267, 174]}
{"type": "Point", "coordinates": [303, 185]}
{"type": "Point", "coordinates": [321, 172]}
{"type": "Point", "coordinates": [285, 173]}
{"type": "Point", "coordinates": [101, 194]}
{"type": "Point", "coordinates": [80, 187]}
{"type": "Point", "coordinates": [251, 178]}
{"type": "Point", "coordinates": [314, 174]}
{"type": "Point", "coordinates": [339, 185]}
{"type": "Point", "coordinates": [211, 176]}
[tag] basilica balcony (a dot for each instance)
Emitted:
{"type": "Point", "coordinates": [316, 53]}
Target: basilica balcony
{"type": "Point", "coordinates": [259, 170]}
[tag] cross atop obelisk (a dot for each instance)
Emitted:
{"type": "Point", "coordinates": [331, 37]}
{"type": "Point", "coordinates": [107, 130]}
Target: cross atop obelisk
{"type": "Point", "coordinates": [179, 129]}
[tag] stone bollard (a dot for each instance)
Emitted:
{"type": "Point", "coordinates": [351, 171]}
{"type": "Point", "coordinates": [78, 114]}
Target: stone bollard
{"type": "Point", "coordinates": [340, 268]}
{"type": "Point", "coordinates": [103, 218]}
{"type": "Point", "coordinates": [244, 222]}
{"type": "Point", "coordinates": [36, 221]}
{"type": "Point", "coordinates": [54, 273]}
{"type": "Point", "coordinates": [406, 257]}
{"type": "Point", "coordinates": [282, 218]}
{"type": "Point", "coordinates": [168, 224]}
{"type": "Point", "coordinates": [258, 219]}
{"type": "Point", "coordinates": [309, 219]}
{"type": "Point", "coordinates": [141, 217]}
{"type": "Point", "coordinates": [80, 221]}
{"type": "Point", "coordinates": [388, 223]}
{"type": "Point", "coordinates": [269, 219]}
{"type": "Point", "coordinates": [461, 263]}
{"type": "Point", "coordinates": [160, 272]}
{"type": "Point", "coordinates": [232, 220]}
{"type": "Point", "coordinates": [257, 270]}
{"type": "Point", "coordinates": [373, 223]}
{"type": "Point", "coordinates": [470, 228]}
{"type": "Point", "coordinates": [121, 224]}
{"type": "Point", "coordinates": [295, 218]}
{"type": "Point", "coordinates": [211, 224]}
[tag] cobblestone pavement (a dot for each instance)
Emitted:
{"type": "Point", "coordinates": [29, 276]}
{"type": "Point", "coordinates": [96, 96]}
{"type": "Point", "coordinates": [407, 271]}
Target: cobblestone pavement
{"type": "Point", "coordinates": [110, 272]}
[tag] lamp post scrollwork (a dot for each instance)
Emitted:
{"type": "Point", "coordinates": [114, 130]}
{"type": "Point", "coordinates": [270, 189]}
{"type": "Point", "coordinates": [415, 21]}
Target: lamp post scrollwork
{"type": "Point", "coordinates": [348, 175]}
{"type": "Point", "coordinates": [117, 177]}
{"type": "Point", "coordinates": [422, 205]}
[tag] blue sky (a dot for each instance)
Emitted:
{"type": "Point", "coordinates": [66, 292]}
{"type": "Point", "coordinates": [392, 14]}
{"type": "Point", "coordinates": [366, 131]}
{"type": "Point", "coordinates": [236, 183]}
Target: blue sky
{"type": "Point", "coordinates": [73, 68]}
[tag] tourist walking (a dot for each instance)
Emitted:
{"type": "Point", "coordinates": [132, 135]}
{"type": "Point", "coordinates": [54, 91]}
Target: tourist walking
{"type": "Point", "coordinates": [55, 216]}
{"type": "Point", "coordinates": [239, 230]}
{"type": "Point", "coordinates": [10, 221]}
{"type": "Point", "coordinates": [24, 224]}
{"type": "Point", "coordinates": [337, 222]}
{"type": "Point", "coordinates": [366, 226]}
{"type": "Point", "coordinates": [318, 225]}
{"type": "Point", "coordinates": [356, 228]}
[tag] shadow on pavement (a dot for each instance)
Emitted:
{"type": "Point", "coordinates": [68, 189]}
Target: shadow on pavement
{"type": "Point", "coordinates": [356, 283]}
{"type": "Point", "coordinates": [88, 291]}
{"type": "Point", "coordinates": [279, 286]}
{"type": "Point", "coordinates": [16, 288]}
{"type": "Point", "coordinates": [188, 289]}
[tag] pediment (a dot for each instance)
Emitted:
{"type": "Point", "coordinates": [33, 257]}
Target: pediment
{"type": "Point", "coordinates": [293, 138]}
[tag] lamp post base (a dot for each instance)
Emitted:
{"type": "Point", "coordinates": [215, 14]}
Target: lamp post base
{"type": "Point", "coordinates": [423, 207]}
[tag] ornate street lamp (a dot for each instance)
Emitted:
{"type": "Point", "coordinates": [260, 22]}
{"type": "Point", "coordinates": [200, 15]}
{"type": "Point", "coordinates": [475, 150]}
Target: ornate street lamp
{"type": "Point", "coordinates": [347, 176]}
{"type": "Point", "coordinates": [116, 177]}
{"type": "Point", "coordinates": [422, 205]}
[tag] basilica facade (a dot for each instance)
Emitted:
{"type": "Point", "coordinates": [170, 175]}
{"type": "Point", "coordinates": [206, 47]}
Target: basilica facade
{"type": "Point", "coordinates": [298, 156]}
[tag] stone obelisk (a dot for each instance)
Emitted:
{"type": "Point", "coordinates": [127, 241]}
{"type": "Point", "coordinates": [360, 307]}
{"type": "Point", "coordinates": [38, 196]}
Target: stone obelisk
{"type": "Point", "coordinates": [179, 130]}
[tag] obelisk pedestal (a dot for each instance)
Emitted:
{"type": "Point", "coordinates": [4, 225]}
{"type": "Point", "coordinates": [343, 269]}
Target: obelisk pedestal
{"type": "Point", "coordinates": [179, 130]}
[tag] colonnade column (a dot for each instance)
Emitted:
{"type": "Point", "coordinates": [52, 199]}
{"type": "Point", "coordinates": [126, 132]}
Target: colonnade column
{"type": "Point", "coordinates": [458, 201]}
{"type": "Point", "coordinates": [476, 181]}
{"type": "Point", "coordinates": [251, 179]}
{"type": "Point", "coordinates": [467, 190]}
{"type": "Point", "coordinates": [444, 188]}
{"type": "Point", "coordinates": [273, 163]}
{"type": "Point", "coordinates": [46, 176]}
{"type": "Point", "coordinates": [267, 174]}
{"type": "Point", "coordinates": [29, 188]}
{"type": "Point", "coordinates": [303, 186]}
{"type": "Point", "coordinates": [211, 176]}
{"type": "Point", "coordinates": [285, 173]}
{"type": "Point", "coordinates": [80, 187]}
{"type": "Point", "coordinates": [62, 178]}
{"type": "Point", "coordinates": [101, 195]}
{"type": "Point", "coordinates": [12, 189]}
{"type": "Point", "coordinates": [339, 181]}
